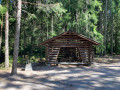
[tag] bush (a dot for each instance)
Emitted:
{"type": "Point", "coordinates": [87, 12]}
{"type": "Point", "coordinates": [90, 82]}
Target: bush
{"type": "Point", "coordinates": [2, 65]}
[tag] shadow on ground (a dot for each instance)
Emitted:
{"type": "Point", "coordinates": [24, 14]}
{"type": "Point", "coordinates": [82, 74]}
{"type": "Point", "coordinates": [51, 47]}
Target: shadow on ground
{"type": "Point", "coordinates": [64, 78]}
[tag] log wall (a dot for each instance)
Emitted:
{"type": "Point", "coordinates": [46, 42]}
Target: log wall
{"type": "Point", "coordinates": [58, 48]}
{"type": "Point", "coordinates": [63, 46]}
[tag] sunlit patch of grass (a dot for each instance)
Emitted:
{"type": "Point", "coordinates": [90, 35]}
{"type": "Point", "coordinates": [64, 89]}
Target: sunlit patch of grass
{"type": "Point", "coordinates": [2, 65]}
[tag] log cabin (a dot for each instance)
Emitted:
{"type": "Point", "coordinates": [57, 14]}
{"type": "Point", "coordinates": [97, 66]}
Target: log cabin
{"type": "Point", "coordinates": [69, 48]}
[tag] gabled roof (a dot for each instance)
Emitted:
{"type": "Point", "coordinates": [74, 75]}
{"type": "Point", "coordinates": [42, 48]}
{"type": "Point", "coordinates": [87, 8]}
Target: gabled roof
{"type": "Point", "coordinates": [71, 32]}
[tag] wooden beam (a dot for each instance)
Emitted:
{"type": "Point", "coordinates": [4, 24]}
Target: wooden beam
{"type": "Point", "coordinates": [70, 46]}
{"type": "Point", "coordinates": [69, 63]}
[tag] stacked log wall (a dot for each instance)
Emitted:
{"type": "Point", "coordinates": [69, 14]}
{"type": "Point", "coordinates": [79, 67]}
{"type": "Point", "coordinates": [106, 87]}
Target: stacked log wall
{"type": "Point", "coordinates": [83, 48]}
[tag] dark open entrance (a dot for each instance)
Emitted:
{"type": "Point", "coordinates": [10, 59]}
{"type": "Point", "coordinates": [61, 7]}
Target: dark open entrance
{"type": "Point", "coordinates": [72, 54]}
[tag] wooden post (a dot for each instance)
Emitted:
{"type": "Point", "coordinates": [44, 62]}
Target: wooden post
{"type": "Point", "coordinates": [47, 54]}
{"type": "Point", "coordinates": [89, 54]}
{"type": "Point", "coordinates": [92, 54]}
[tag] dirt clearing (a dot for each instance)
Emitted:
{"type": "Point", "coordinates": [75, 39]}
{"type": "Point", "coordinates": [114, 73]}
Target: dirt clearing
{"type": "Point", "coordinates": [97, 77]}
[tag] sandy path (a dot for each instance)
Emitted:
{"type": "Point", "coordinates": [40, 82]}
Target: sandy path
{"type": "Point", "coordinates": [100, 77]}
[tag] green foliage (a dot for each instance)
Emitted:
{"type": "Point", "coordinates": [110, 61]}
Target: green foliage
{"type": "Point", "coordinates": [0, 21]}
{"type": "Point", "coordinates": [12, 19]}
{"type": "Point", "coordinates": [31, 17]}
{"type": "Point", "coordinates": [21, 60]}
{"type": "Point", "coordinates": [64, 18]}
{"type": "Point", "coordinates": [57, 9]}
{"type": "Point", "coordinates": [82, 16]}
{"type": "Point", "coordinates": [2, 65]}
{"type": "Point", "coordinates": [2, 12]}
{"type": "Point", "coordinates": [10, 61]}
{"type": "Point", "coordinates": [2, 9]}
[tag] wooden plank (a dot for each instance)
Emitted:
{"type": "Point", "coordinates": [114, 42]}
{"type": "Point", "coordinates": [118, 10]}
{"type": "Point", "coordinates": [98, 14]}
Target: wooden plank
{"type": "Point", "coordinates": [70, 41]}
{"type": "Point", "coordinates": [78, 36]}
{"type": "Point", "coordinates": [52, 60]}
{"type": "Point", "coordinates": [52, 49]}
{"type": "Point", "coordinates": [67, 43]}
{"type": "Point", "coordinates": [78, 44]}
{"type": "Point", "coordinates": [51, 57]}
{"type": "Point", "coordinates": [53, 54]}
{"type": "Point", "coordinates": [69, 63]}
{"type": "Point", "coordinates": [70, 46]}
{"type": "Point", "coordinates": [69, 36]}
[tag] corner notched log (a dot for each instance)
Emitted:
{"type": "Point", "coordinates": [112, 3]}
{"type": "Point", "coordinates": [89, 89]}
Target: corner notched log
{"type": "Point", "coordinates": [69, 47]}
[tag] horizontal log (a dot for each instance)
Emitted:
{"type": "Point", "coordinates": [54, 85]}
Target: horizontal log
{"type": "Point", "coordinates": [70, 41]}
{"type": "Point", "coordinates": [71, 46]}
{"type": "Point", "coordinates": [66, 36]}
{"type": "Point", "coordinates": [57, 43]}
{"type": "Point", "coordinates": [53, 49]}
{"type": "Point", "coordinates": [52, 60]}
{"type": "Point", "coordinates": [70, 63]}
{"type": "Point", "coordinates": [52, 55]}
{"type": "Point", "coordinates": [63, 38]}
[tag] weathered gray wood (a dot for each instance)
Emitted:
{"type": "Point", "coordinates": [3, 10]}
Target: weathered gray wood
{"type": "Point", "coordinates": [73, 48]}
{"type": "Point", "coordinates": [72, 63]}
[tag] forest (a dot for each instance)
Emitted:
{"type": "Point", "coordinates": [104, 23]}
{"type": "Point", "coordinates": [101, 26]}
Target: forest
{"type": "Point", "coordinates": [41, 20]}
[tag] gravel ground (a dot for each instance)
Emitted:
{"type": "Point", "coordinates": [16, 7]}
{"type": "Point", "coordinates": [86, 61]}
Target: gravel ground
{"type": "Point", "coordinates": [97, 77]}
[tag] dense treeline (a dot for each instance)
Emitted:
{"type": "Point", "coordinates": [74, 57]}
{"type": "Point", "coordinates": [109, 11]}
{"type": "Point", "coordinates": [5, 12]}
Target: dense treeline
{"type": "Point", "coordinates": [43, 19]}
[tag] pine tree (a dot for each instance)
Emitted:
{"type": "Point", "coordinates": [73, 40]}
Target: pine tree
{"type": "Point", "coordinates": [17, 35]}
{"type": "Point", "coordinates": [7, 36]}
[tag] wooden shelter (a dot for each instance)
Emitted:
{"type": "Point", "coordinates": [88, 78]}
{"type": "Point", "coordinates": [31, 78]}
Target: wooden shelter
{"type": "Point", "coordinates": [69, 48]}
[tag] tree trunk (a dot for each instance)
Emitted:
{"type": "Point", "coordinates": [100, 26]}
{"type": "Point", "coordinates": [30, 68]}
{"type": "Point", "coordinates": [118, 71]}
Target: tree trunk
{"type": "Point", "coordinates": [69, 5]}
{"type": "Point", "coordinates": [116, 34]}
{"type": "Point", "coordinates": [31, 51]}
{"type": "Point", "coordinates": [105, 27]}
{"type": "Point", "coordinates": [17, 35]}
{"type": "Point", "coordinates": [116, 40]}
{"type": "Point", "coordinates": [1, 35]}
{"type": "Point", "coordinates": [52, 24]}
{"type": "Point", "coordinates": [112, 28]}
{"type": "Point", "coordinates": [7, 36]}
{"type": "Point", "coordinates": [101, 27]}
{"type": "Point", "coordinates": [86, 17]}
{"type": "Point", "coordinates": [24, 37]}
{"type": "Point", "coordinates": [77, 21]}
{"type": "Point", "coordinates": [47, 31]}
